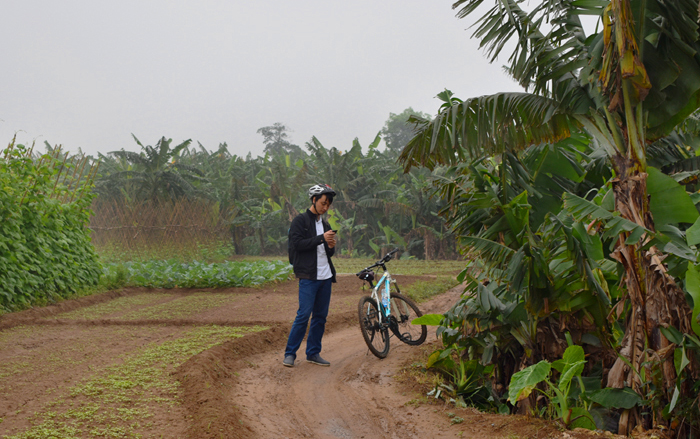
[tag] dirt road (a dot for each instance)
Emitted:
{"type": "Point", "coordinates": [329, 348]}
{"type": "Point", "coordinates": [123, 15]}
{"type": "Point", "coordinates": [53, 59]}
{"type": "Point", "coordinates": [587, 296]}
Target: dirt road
{"type": "Point", "coordinates": [354, 398]}
{"type": "Point", "coordinates": [207, 364]}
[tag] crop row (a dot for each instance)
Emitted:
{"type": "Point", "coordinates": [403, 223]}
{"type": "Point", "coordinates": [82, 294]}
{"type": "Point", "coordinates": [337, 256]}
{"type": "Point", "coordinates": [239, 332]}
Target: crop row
{"type": "Point", "coordinates": [172, 274]}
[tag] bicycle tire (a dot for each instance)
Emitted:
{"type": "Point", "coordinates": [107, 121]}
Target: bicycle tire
{"type": "Point", "coordinates": [376, 336]}
{"type": "Point", "coordinates": [403, 311]}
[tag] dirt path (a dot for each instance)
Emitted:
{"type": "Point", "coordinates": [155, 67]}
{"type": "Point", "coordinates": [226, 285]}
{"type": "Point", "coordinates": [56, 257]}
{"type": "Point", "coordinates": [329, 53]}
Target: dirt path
{"type": "Point", "coordinates": [207, 364]}
{"type": "Point", "coordinates": [358, 396]}
{"type": "Point", "coordinates": [354, 398]}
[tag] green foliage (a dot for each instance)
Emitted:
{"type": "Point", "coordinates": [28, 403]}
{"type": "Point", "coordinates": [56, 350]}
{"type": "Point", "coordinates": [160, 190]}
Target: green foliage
{"type": "Point", "coordinates": [429, 320]}
{"type": "Point", "coordinates": [559, 394]}
{"type": "Point", "coordinates": [618, 89]}
{"type": "Point", "coordinates": [524, 382]}
{"type": "Point", "coordinates": [469, 379]}
{"type": "Point", "coordinates": [172, 274]}
{"type": "Point", "coordinates": [156, 173]}
{"type": "Point", "coordinates": [377, 205]}
{"type": "Point", "coordinates": [45, 248]}
{"type": "Point", "coordinates": [625, 398]}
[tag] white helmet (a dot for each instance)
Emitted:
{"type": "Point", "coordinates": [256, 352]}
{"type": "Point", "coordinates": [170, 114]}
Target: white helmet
{"type": "Point", "coordinates": [320, 189]}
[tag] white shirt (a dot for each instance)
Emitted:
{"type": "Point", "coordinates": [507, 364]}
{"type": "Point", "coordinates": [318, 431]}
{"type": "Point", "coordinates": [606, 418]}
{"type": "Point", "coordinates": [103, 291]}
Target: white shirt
{"type": "Point", "coordinates": [323, 270]}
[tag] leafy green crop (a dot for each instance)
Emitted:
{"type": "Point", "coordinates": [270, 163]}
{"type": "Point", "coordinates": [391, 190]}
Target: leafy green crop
{"type": "Point", "coordinates": [45, 247]}
{"type": "Point", "coordinates": [171, 274]}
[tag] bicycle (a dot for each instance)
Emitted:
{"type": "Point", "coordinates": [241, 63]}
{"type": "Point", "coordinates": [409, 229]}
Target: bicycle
{"type": "Point", "coordinates": [393, 313]}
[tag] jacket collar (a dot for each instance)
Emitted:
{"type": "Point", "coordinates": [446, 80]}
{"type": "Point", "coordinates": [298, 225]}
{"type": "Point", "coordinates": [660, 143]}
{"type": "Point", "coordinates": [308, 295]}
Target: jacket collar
{"type": "Point", "coordinates": [312, 215]}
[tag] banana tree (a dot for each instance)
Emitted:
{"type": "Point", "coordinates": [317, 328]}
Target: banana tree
{"type": "Point", "coordinates": [546, 275]}
{"type": "Point", "coordinates": [340, 169]}
{"type": "Point", "coordinates": [155, 171]}
{"type": "Point", "coordinates": [285, 179]}
{"type": "Point", "coordinates": [625, 85]}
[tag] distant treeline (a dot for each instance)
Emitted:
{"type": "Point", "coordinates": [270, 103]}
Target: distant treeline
{"type": "Point", "coordinates": [253, 199]}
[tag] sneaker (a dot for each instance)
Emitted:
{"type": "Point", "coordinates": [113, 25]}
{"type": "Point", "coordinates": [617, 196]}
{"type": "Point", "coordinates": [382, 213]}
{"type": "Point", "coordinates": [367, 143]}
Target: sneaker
{"type": "Point", "coordinates": [288, 360]}
{"type": "Point", "coordinates": [316, 359]}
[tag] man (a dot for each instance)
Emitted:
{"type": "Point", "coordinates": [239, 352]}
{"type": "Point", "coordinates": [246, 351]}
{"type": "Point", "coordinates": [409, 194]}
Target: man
{"type": "Point", "coordinates": [314, 244]}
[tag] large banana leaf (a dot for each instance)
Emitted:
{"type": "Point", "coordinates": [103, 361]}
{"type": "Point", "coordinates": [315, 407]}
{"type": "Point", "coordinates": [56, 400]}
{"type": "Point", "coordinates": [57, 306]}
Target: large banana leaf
{"type": "Point", "coordinates": [669, 202]}
{"type": "Point", "coordinates": [612, 223]}
{"type": "Point", "coordinates": [486, 125]}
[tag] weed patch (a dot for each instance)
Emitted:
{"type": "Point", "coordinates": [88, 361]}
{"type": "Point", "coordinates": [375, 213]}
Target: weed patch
{"type": "Point", "coordinates": [423, 290]}
{"type": "Point", "coordinates": [115, 306]}
{"type": "Point", "coordinates": [412, 267]}
{"type": "Point", "coordinates": [181, 308]}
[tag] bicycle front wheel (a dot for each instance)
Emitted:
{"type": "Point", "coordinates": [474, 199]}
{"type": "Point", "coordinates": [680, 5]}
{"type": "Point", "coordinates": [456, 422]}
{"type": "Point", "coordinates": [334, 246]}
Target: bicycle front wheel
{"type": "Point", "coordinates": [375, 334]}
{"type": "Point", "coordinates": [403, 311]}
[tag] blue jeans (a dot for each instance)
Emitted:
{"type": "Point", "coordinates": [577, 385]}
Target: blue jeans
{"type": "Point", "coordinates": [314, 299]}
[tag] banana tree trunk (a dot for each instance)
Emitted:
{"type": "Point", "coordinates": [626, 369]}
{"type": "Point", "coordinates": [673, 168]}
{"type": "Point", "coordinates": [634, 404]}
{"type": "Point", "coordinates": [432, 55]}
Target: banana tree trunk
{"type": "Point", "coordinates": [655, 301]}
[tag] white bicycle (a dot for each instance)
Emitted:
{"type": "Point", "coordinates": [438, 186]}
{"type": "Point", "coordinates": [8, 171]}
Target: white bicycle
{"type": "Point", "coordinates": [393, 313]}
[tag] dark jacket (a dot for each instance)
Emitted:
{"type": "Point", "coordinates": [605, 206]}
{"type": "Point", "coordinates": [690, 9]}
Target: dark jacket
{"type": "Point", "coordinates": [303, 237]}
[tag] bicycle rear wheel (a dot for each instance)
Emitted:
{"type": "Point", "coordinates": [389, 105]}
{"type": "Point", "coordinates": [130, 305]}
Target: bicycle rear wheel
{"type": "Point", "coordinates": [375, 334]}
{"type": "Point", "coordinates": [403, 311]}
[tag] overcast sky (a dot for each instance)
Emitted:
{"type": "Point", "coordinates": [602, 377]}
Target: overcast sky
{"type": "Point", "coordinates": [88, 73]}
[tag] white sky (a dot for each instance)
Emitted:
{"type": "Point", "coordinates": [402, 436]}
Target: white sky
{"type": "Point", "coordinates": [88, 73]}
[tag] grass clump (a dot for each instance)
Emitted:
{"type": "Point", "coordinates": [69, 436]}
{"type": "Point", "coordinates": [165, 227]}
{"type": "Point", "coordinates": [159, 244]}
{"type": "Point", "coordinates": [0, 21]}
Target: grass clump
{"type": "Point", "coordinates": [113, 306]}
{"type": "Point", "coordinates": [425, 289]}
{"type": "Point", "coordinates": [409, 267]}
{"type": "Point", "coordinates": [181, 308]}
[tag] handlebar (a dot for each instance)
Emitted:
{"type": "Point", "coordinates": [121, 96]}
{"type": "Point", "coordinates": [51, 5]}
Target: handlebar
{"type": "Point", "coordinates": [380, 263]}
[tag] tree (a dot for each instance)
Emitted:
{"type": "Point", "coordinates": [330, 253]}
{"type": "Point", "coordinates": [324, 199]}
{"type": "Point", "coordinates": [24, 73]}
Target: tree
{"type": "Point", "coordinates": [155, 173]}
{"type": "Point", "coordinates": [276, 141]}
{"type": "Point", "coordinates": [626, 86]}
{"type": "Point", "coordinates": [397, 131]}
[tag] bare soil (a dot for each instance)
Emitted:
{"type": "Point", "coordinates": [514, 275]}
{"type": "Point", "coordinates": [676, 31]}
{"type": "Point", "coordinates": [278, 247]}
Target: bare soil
{"type": "Point", "coordinates": [207, 364]}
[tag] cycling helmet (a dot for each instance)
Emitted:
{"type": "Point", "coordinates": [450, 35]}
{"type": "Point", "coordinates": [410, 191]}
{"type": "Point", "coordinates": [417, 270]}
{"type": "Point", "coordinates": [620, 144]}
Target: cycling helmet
{"type": "Point", "coordinates": [320, 189]}
{"type": "Point", "coordinates": [367, 275]}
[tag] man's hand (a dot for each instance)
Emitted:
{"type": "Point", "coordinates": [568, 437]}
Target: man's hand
{"type": "Point", "coordinates": [329, 236]}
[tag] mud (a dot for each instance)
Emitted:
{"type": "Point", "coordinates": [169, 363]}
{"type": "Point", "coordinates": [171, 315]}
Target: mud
{"type": "Point", "coordinates": [235, 389]}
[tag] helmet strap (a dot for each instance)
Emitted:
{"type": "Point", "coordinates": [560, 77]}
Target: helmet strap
{"type": "Point", "coordinates": [314, 200]}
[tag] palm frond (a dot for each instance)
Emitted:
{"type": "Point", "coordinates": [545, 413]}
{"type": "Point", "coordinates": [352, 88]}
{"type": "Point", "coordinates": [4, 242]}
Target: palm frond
{"type": "Point", "coordinates": [486, 125]}
{"type": "Point", "coordinates": [544, 62]}
{"type": "Point", "coordinates": [130, 156]}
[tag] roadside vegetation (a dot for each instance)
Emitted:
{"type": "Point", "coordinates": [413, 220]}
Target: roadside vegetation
{"type": "Point", "coordinates": [578, 199]}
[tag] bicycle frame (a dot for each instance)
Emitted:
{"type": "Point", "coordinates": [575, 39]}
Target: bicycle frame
{"type": "Point", "coordinates": [386, 279]}
{"type": "Point", "coordinates": [378, 322]}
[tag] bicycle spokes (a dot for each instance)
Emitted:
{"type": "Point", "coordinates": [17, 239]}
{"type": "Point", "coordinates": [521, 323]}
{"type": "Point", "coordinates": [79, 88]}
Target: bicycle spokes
{"type": "Point", "coordinates": [374, 331]}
